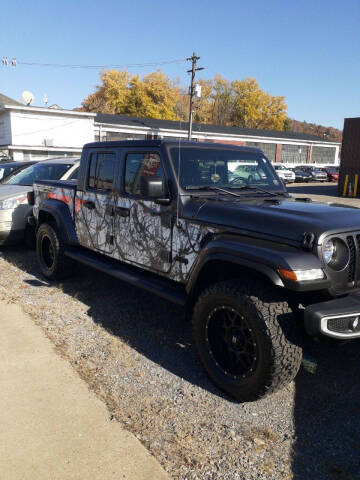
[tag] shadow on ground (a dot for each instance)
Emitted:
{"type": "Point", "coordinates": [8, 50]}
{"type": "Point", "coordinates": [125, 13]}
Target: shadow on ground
{"type": "Point", "coordinates": [326, 413]}
{"type": "Point", "coordinates": [326, 404]}
{"type": "Point", "coordinates": [160, 331]}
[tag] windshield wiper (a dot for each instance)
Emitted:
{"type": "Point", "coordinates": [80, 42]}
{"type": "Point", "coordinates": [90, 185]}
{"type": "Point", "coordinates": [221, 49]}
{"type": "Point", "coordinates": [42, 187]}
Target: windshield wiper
{"type": "Point", "coordinates": [210, 187]}
{"type": "Point", "coordinates": [254, 187]}
{"type": "Point", "coordinates": [241, 187]}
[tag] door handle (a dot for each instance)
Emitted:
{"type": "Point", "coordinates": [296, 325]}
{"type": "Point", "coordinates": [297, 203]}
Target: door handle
{"type": "Point", "coordinates": [89, 204]}
{"type": "Point", "coordinates": [122, 211]}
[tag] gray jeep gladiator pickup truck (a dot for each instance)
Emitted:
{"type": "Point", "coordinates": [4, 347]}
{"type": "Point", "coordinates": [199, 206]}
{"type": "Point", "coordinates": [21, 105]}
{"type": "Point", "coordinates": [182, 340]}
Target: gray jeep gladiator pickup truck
{"type": "Point", "coordinates": [210, 227]}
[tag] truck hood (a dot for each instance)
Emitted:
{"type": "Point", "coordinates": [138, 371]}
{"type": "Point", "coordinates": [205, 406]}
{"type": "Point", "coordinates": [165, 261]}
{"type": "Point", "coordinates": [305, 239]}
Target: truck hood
{"type": "Point", "coordinates": [9, 191]}
{"type": "Point", "coordinates": [287, 218]}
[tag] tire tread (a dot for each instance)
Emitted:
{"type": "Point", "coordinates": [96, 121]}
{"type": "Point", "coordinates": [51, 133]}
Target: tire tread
{"type": "Point", "coordinates": [283, 335]}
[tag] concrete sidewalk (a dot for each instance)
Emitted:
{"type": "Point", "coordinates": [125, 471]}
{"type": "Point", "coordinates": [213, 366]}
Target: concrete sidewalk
{"type": "Point", "coordinates": [51, 425]}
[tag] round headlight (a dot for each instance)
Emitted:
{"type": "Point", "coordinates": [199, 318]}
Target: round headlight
{"type": "Point", "coordinates": [336, 254]}
{"type": "Point", "coordinates": [329, 251]}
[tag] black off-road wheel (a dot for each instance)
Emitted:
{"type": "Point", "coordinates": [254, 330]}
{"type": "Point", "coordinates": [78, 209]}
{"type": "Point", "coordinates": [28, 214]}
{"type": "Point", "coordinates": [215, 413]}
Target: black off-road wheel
{"type": "Point", "coordinates": [247, 338]}
{"type": "Point", "coordinates": [50, 253]}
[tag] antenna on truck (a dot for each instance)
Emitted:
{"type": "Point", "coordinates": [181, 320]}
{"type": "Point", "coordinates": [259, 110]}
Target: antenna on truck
{"type": "Point", "coordinates": [178, 180]}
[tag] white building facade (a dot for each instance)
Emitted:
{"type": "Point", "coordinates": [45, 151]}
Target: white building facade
{"type": "Point", "coordinates": [289, 148]}
{"type": "Point", "coordinates": [35, 133]}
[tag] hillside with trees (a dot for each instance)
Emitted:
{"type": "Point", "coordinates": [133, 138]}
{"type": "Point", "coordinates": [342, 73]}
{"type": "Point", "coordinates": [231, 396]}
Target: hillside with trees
{"type": "Point", "coordinates": [240, 103]}
{"type": "Point", "coordinates": [327, 133]}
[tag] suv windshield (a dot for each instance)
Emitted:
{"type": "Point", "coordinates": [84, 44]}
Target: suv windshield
{"type": "Point", "coordinates": [45, 171]}
{"type": "Point", "coordinates": [224, 168]}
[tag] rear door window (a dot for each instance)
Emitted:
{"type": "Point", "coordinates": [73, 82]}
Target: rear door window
{"type": "Point", "coordinates": [101, 171]}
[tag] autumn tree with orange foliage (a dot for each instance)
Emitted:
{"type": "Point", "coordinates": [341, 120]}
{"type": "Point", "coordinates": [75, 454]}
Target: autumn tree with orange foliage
{"type": "Point", "coordinates": [153, 96]}
{"type": "Point", "coordinates": [239, 103]}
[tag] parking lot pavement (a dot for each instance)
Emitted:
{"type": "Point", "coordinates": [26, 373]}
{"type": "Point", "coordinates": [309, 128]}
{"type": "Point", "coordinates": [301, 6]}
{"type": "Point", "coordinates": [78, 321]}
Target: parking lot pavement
{"type": "Point", "coordinates": [52, 426]}
{"type": "Point", "coordinates": [321, 192]}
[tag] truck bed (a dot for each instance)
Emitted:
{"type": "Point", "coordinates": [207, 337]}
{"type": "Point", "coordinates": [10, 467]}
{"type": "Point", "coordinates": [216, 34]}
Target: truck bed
{"type": "Point", "coordinates": [68, 184]}
{"type": "Point", "coordinates": [63, 191]}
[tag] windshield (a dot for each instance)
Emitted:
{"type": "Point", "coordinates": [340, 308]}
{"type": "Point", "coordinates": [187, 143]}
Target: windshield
{"type": "Point", "coordinates": [45, 171]}
{"type": "Point", "coordinates": [224, 168]}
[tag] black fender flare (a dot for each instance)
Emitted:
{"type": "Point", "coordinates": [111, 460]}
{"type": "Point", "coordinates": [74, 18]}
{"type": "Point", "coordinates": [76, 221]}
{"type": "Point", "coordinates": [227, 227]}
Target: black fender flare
{"type": "Point", "coordinates": [257, 267]}
{"type": "Point", "coordinates": [64, 221]}
{"type": "Point", "coordinates": [264, 258]}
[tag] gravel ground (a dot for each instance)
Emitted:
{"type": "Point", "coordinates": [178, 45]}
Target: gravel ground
{"type": "Point", "coordinates": [136, 353]}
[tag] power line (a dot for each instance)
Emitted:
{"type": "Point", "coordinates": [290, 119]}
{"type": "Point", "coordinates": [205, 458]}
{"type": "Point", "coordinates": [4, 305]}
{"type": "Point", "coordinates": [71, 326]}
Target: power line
{"type": "Point", "coordinates": [14, 62]}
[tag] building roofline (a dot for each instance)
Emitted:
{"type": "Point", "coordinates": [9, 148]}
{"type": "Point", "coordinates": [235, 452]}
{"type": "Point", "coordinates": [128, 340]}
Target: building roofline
{"type": "Point", "coordinates": [219, 135]}
{"type": "Point", "coordinates": [142, 124]}
{"type": "Point", "coordinates": [5, 100]}
{"type": "Point", "coordinates": [41, 148]}
{"type": "Point", "coordinates": [48, 110]}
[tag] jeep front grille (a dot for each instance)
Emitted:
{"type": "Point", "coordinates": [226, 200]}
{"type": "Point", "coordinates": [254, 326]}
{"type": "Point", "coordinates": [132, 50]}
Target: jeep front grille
{"type": "Point", "coordinates": [344, 280]}
{"type": "Point", "coordinates": [352, 264]}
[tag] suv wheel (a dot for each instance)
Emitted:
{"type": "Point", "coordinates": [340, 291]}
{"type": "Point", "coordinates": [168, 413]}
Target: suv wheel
{"type": "Point", "coordinates": [50, 253]}
{"type": "Point", "coordinates": [247, 338]}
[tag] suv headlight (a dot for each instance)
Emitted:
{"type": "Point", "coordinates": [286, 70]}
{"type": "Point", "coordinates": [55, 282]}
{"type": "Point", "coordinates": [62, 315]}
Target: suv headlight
{"type": "Point", "coordinates": [329, 251]}
{"type": "Point", "coordinates": [336, 253]}
{"type": "Point", "coordinates": [12, 203]}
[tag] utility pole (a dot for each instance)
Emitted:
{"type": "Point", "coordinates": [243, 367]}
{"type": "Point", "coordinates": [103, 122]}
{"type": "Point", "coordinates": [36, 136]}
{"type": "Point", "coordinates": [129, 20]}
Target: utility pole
{"type": "Point", "coordinates": [193, 70]}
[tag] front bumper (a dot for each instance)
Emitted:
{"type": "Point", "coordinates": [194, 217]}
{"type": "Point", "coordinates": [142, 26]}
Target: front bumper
{"type": "Point", "coordinates": [338, 318]}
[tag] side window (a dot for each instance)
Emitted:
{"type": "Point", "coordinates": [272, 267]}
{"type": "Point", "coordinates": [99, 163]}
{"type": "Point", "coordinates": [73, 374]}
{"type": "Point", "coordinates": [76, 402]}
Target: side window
{"type": "Point", "coordinates": [138, 165]}
{"type": "Point", "coordinates": [74, 174]}
{"type": "Point", "coordinates": [93, 169]}
{"type": "Point", "coordinates": [106, 173]}
{"type": "Point", "coordinates": [101, 171]}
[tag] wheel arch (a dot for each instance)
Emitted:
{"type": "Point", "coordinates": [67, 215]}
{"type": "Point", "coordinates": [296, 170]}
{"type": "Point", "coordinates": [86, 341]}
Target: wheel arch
{"type": "Point", "coordinates": [58, 212]}
{"type": "Point", "coordinates": [221, 266]}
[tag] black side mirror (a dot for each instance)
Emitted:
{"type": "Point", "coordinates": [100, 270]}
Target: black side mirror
{"type": "Point", "coordinates": [152, 187]}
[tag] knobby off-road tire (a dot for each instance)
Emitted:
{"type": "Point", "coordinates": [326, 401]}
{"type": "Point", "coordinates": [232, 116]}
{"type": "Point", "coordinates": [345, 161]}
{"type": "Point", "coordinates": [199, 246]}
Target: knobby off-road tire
{"type": "Point", "coordinates": [247, 338]}
{"type": "Point", "coordinates": [50, 253]}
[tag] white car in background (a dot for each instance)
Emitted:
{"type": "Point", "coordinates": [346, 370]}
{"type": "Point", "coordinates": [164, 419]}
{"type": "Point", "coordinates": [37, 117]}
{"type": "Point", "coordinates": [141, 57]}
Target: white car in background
{"type": "Point", "coordinates": [287, 176]}
{"type": "Point", "coordinates": [14, 207]}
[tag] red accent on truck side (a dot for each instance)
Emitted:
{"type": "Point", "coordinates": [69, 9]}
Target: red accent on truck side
{"type": "Point", "coordinates": [61, 197]}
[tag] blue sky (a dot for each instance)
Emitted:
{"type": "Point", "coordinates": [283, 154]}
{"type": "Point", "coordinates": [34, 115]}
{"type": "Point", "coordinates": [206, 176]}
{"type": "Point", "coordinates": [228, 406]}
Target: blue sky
{"type": "Point", "coordinates": [306, 50]}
